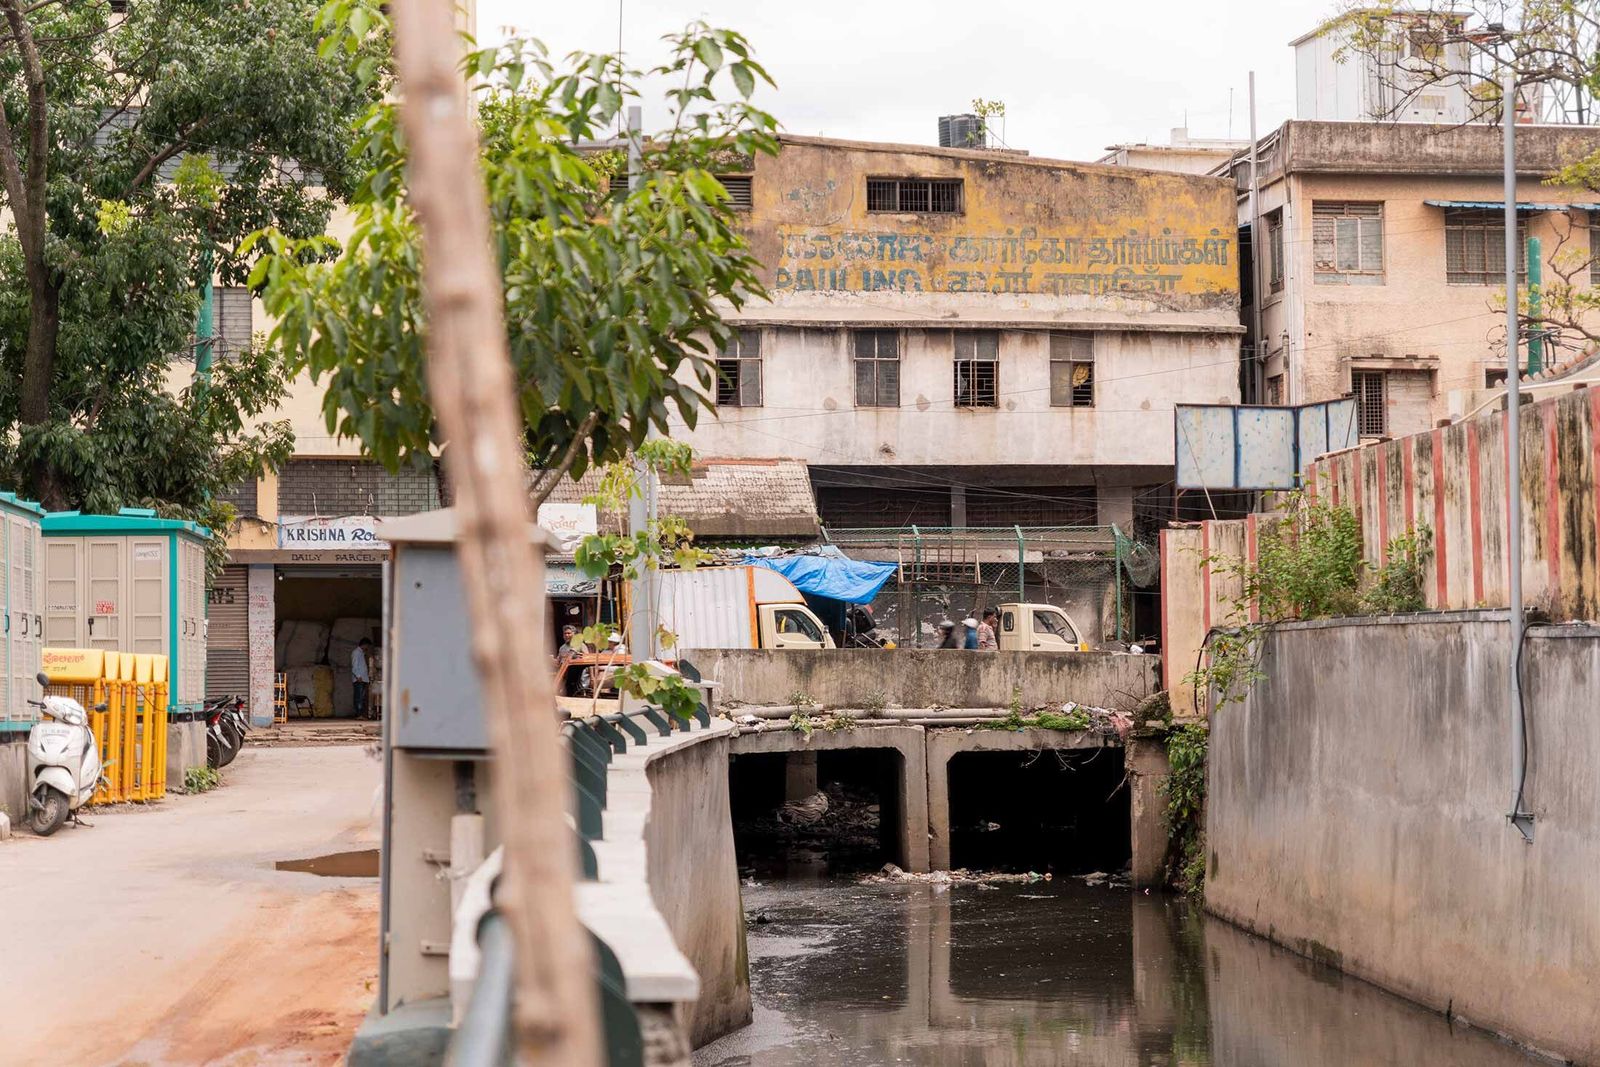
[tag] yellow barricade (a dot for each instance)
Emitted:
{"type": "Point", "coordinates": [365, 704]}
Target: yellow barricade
{"type": "Point", "coordinates": [131, 728]}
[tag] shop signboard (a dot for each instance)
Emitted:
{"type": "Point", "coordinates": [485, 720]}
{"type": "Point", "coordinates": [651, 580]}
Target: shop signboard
{"type": "Point", "coordinates": [569, 523]}
{"type": "Point", "coordinates": [564, 579]}
{"type": "Point", "coordinates": [318, 532]}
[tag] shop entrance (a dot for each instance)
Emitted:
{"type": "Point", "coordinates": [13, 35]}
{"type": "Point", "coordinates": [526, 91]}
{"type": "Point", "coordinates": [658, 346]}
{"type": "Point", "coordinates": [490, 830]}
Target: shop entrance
{"type": "Point", "coordinates": [570, 611]}
{"type": "Point", "coordinates": [321, 614]}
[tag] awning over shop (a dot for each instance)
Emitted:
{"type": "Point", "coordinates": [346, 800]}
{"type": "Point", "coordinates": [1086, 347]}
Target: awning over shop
{"type": "Point", "coordinates": [749, 499]}
{"type": "Point", "coordinates": [1522, 205]}
{"type": "Point", "coordinates": [851, 580]}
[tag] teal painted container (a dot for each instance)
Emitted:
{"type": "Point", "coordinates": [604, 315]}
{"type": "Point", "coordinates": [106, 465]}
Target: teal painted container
{"type": "Point", "coordinates": [21, 610]}
{"type": "Point", "coordinates": [130, 582]}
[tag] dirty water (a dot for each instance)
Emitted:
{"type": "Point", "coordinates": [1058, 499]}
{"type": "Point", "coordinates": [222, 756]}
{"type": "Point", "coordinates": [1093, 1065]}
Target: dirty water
{"type": "Point", "coordinates": [359, 864]}
{"type": "Point", "coordinates": [849, 975]}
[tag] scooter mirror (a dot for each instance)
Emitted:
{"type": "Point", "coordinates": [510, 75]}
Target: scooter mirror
{"type": "Point", "coordinates": [42, 678]}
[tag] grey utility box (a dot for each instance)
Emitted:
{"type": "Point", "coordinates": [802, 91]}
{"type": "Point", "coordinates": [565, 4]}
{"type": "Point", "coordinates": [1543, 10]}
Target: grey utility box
{"type": "Point", "coordinates": [432, 698]}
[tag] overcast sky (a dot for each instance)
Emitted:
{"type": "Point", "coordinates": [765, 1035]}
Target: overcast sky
{"type": "Point", "coordinates": [1075, 76]}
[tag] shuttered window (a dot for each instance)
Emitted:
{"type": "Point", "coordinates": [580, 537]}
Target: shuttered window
{"type": "Point", "coordinates": [877, 357]}
{"type": "Point", "coordinates": [977, 379]}
{"type": "Point", "coordinates": [234, 320]}
{"type": "Point", "coordinates": [1071, 370]}
{"type": "Point", "coordinates": [739, 370]}
{"type": "Point", "coordinates": [1347, 242]}
{"type": "Point", "coordinates": [739, 191]}
{"type": "Point", "coordinates": [1475, 246]}
{"type": "Point", "coordinates": [1274, 222]}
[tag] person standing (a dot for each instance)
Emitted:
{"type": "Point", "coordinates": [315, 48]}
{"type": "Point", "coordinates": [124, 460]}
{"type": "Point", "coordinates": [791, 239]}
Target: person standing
{"type": "Point", "coordinates": [987, 642]}
{"type": "Point", "coordinates": [949, 638]}
{"type": "Point", "coordinates": [969, 634]}
{"type": "Point", "coordinates": [361, 675]}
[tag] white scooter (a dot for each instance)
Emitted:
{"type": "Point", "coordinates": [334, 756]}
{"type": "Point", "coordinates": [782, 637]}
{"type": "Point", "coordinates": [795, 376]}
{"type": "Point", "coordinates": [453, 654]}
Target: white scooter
{"type": "Point", "coordinates": [63, 762]}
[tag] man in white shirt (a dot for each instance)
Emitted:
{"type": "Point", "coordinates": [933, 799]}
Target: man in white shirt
{"type": "Point", "coordinates": [361, 676]}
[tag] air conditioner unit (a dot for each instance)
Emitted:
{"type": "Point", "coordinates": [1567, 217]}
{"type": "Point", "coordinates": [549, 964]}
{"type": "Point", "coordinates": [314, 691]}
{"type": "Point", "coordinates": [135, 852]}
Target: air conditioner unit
{"type": "Point", "coordinates": [961, 131]}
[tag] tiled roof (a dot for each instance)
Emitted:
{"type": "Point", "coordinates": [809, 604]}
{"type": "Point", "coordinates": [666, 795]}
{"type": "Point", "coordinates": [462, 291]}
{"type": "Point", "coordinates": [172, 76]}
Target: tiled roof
{"type": "Point", "coordinates": [727, 498]}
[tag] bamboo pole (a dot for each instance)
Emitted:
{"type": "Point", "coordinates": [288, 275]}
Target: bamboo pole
{"type": "Point", "coordinates": [473, 396]}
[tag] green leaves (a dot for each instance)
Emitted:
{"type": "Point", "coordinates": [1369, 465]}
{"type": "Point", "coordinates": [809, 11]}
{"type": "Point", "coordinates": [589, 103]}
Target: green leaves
{"type": "Point", "coordinates": [609, 299]}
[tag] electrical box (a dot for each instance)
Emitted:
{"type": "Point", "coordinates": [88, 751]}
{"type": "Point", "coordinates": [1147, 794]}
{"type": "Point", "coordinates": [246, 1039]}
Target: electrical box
{"type": "Point", "coordinates": [21, 613]}
{"type": "Point", "coordinates": [432, 699]}
{"type": "Point", "coordinates": [130, 582]}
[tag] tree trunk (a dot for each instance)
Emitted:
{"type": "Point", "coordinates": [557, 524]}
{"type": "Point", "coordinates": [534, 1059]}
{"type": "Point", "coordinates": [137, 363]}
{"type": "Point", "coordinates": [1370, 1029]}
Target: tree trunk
{"type": "Point", "coordinates": [38, 369]}
{"type": "Point", "coordinates": [473, 395]}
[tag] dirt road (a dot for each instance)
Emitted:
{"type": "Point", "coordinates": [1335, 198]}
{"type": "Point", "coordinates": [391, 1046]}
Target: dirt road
{"type": "Point", "coordinates": [166, 937]}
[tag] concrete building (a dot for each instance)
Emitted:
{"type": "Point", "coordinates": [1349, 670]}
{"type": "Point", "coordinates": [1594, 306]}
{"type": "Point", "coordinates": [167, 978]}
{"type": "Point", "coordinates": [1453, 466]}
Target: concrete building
{"type": "Point", "coordinates": [1382, 266]}
{"type": "Point", "coordinates": [1182, 154]}
{"type": "Point", "coordinates": [974, 338]}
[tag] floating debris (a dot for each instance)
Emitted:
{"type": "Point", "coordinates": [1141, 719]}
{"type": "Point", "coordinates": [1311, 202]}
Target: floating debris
{"type": "Point", "coordinates": [889, 873]}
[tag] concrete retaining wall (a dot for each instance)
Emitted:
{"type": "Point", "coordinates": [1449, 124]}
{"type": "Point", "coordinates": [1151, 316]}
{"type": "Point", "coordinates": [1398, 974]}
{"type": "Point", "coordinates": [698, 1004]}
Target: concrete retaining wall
{"type": "Point", "coordinates": [694, 880]}
{"type": "Point", "coordinates": [1356, 813]}
{"type": "Point", "coordinates": [923, 678]}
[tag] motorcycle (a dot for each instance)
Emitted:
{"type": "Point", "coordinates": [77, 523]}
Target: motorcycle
{"type": "Point", "coordinates": [63, 762]}
{"type": "Point", "coordinates": [226, 725]}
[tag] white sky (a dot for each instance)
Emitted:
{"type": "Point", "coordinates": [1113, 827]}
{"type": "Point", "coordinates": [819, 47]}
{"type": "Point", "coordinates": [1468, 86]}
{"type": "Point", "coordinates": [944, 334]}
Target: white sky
{"type": "Point", "coordinates": [1075, 75]}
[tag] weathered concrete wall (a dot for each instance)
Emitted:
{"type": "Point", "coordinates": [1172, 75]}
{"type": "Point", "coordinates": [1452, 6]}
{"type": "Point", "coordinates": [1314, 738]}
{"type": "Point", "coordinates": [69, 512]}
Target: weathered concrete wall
{"type": "Point", "coordinates": [908, 741]}
{"type": "Point", "coordinates": [1356, 813]}
{"type": "Point", "coordinates": [1148, 771]}
{"type": "Point", "coordinates": [694, 880]}
{"type": "Point", "coordinates": [1144, 263]}
{"type": "Point", "coordinates": [925, 678]}
{"type": "Point", "coordinates": [186, 747]}
{"type": "Point", "coordinates": [14, 777]}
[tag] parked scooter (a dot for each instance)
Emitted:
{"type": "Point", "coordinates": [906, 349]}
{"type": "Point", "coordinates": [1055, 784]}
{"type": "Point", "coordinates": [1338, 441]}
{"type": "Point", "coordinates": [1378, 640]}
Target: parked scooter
{"type": "Point", "coordinates": [226, 725]}
{"type": "Point", "coordinates": [63, 762]}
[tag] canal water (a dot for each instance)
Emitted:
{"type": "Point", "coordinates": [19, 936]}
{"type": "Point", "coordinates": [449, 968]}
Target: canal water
{"type": "Point", "coordinates": [1018, 975]}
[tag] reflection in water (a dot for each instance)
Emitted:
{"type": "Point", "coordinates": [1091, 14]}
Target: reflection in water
{"type": "Point", "coordinates": [1024, 975]}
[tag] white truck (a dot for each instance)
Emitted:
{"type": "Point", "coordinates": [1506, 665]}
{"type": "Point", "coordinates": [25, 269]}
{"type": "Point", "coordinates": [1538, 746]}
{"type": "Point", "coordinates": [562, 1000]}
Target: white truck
{"type": "Point", "coordinates": [736, 607]}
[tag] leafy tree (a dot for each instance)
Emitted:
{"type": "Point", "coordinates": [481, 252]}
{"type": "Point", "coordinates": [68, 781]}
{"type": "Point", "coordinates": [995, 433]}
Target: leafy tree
{"type": "Point", "coordinates": [137, 147]}
{"type": "Point", "coordinates": [609, 293]}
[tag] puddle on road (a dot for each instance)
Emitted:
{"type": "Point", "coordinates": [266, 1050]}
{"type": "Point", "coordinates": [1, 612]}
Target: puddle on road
{"type": "Point", "coordinates": [360, 864]}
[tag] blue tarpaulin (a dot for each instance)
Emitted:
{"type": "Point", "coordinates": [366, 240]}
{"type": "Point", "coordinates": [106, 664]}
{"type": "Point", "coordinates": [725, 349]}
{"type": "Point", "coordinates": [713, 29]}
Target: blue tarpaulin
{"type": "Point", "coordinates": [850, 580]}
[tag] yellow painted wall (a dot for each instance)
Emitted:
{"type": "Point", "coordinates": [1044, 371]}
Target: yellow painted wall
{"type": "Point", "coordinates": [1027, 227]}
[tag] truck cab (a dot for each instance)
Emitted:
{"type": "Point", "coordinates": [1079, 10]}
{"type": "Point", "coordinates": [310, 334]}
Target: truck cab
{"type": "Point", "coordinates": [1038, 628]}
{"type": "Point", "coordinates": [791, 626]}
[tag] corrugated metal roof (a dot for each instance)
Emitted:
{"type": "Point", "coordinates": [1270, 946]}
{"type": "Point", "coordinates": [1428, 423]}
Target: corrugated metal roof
{"type": "Point", "coordinates": [743, 498]}
{"type": "Point", "coordinates": [1522, 205]}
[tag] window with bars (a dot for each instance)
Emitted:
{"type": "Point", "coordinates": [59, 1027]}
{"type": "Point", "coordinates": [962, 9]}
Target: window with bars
{"type": "Point", "coordinates": [1347, 242]}
{"type": "Point", "coordinates": [877, 355]}
{"type": "Point", "coordinates": [739, 370]}
{"type": "Point", "coordinates": [739, 190]}
{"type": "Point", "coordinates": [1274, 223]}
{"type": "Point", "coordinates": [1475, 246]}
{"type": "Point", "coordinates": [928, 196]}
{"type": "Point", "coordinates": [1071, 370]}
{"type": "Point", "coordinates": [977, 379]}
{"type": "Point", "coordinates": [1372, 402]}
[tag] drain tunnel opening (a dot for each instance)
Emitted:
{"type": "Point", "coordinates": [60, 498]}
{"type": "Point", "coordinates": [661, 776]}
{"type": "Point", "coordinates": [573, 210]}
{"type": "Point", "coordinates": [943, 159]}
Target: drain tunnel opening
{"type": "Point", "coordinates": [816, 813]}
{"type": "Point", "coordinates": [1061, 810]}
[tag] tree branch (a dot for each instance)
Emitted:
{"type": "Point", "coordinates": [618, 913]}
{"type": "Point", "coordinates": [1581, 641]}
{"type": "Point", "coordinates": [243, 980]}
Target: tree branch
{"type": "Point", "coordinates": [541, 488]}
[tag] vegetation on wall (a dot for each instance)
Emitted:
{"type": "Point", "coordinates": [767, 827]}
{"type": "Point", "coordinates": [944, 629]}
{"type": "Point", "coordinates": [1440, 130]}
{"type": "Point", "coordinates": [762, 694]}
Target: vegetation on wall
{"type": "Point", "coordinates": [1309, 565]}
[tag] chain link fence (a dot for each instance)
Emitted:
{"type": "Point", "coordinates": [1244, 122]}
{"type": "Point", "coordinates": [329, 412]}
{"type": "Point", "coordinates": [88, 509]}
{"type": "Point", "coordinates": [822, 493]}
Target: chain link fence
{"type": "Point", "coordinates": [956, 572]}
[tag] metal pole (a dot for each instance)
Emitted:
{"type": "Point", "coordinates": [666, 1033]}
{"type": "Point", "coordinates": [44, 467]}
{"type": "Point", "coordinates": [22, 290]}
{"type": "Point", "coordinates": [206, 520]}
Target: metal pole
{"type": "Point", "coordinates": [1519, 817]}
{"type": "Point", "coordinates": [1258, 375]}
{"type": "Point", "coordinates": [1022, 566]}
{"type": "Point", "coordinates": [641, 505]}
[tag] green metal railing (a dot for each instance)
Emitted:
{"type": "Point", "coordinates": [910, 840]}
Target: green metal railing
{"type": "Point", "coordinates": [484, 1037]}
